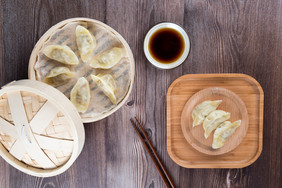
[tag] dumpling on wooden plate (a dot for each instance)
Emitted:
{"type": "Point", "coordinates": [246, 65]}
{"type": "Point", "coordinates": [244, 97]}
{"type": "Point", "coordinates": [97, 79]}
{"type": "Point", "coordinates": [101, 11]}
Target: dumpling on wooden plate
{"type": "Point", "coordinates": [107, 59]}
{"type": "Point", "coordinates": [223, 132]}
{"type": "Point", "coordinates": [85, 41]}
{"type": "Point", "coordinates": [107, 84]}
{"type": "Point", "coordinates": [202, 110]}
{"type": "Point", "coordinates": [58, 76]}
{"type": "Point", "coordinates": [213, 120]}
{"type": "Point", "coordinates": [61, 53]}
{"type": "Point", "coordinates": [80, 95]}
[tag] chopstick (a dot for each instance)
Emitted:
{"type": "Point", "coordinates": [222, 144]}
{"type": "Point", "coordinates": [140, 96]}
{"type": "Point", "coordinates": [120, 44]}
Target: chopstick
{"type": "Point", "coordinates": [152, 152]}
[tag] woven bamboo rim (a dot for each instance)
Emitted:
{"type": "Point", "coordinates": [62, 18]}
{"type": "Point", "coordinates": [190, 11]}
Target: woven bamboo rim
{"type": "Point", "coordinates": [46, 36]}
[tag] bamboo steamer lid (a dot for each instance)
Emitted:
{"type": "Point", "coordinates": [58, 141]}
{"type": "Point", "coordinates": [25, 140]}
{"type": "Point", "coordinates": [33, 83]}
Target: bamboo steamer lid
{"type": "Point", "coordinates": [41, 132]}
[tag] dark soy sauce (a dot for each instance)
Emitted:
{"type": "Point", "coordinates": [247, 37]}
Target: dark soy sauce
{"type": "Point", "coordinates": [166, 45]}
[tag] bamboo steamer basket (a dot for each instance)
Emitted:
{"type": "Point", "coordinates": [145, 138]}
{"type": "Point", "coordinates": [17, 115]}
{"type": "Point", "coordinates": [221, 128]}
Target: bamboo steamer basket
{"type": "Point", "coordinates": [48, 34]}
{"type": "Point", "coordinates": [41, 132]}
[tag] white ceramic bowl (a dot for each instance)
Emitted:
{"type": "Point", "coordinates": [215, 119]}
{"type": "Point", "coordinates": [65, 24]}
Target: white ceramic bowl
{"type": "Point", "coordinates": [178, 61]}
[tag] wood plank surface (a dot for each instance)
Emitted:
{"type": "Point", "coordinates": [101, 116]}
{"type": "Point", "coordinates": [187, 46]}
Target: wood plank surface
{"type": "Point", "coordinates": [226, 37]}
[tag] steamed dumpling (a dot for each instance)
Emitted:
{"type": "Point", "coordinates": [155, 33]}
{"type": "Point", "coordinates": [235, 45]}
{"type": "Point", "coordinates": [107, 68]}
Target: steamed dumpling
{"type": "Point", "coordinates": [213, 120]}
{"type": "Point", "coordinates": [85, 41]}
{"type": "Point", "coordinates": [107, 59]}
{"type": "Point", "coordinates": [107, 84]}
{"type": "Point", "coordinates": [58, 76]}
{"type": "Point", "coordinates": [202, 110]}
{"type": "Point", "coordinates": [61, 53]}
{"type": "Point", "coordinates": [223, 132]}
{"type": "Point", "coordinates": [80, 95]}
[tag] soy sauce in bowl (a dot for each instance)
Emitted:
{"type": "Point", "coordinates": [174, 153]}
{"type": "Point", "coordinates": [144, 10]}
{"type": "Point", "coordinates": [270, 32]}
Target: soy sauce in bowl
{"type": "Point", "coordinates": [166, 45]}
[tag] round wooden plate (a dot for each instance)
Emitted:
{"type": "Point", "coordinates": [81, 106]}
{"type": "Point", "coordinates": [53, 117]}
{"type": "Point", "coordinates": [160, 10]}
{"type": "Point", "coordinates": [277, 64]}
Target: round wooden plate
{"type": "Point", "coordinates": [230, 103]}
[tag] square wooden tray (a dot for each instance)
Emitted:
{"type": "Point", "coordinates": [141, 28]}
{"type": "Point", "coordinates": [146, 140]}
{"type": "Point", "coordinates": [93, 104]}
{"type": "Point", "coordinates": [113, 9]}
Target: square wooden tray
{"type": "Point", "coordinates": [247, 88]}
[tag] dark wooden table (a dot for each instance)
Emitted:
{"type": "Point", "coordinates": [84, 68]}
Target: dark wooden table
{"type": "Point", "coordinates": [231, 36]}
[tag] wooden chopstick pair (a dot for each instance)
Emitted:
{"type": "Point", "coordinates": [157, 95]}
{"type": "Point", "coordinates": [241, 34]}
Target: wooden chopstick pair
{"type": "Point", "coordinates": [152, 152]}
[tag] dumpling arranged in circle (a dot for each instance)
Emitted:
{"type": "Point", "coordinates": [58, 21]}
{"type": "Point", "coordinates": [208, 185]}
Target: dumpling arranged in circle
{"type": "Point", "coordinates": [107, 59]}
{"type": "Point", "coordinates": [85, 41]}
{"type": "Point", "coordinates": [58, 76]}
{"type": "Point", "coordinates": [61, 53]}
{"type": "Point", "coordinates": [80, 95]}
{"type": "Point", "coordinates": [107, 84]}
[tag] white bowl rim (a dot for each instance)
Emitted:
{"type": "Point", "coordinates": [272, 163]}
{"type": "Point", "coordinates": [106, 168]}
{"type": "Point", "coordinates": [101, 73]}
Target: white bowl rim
{"type": "Point", "coordinates": [178, 61]}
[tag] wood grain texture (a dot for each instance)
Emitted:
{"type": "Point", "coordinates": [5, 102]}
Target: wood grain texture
{"type": "Point", "coordinates": [4, 178]}
{"type": "Point", "coordinates": [226, 36]}
{"type": "Point", "coordinates": [2, 65]}
{"type": "Point", "coordinates": [187, 87]}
